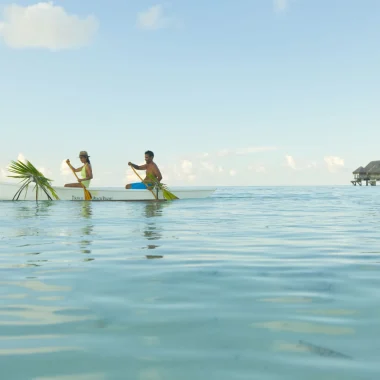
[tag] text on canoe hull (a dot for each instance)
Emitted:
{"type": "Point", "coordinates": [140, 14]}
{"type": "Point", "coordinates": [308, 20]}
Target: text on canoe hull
{"type": "Point", "coordinates": [74, 198]}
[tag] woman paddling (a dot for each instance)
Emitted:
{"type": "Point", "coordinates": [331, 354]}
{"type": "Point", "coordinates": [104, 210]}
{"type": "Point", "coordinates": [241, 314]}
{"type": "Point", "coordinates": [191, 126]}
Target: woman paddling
{"type": "Point", "coordinates": [85, 170]}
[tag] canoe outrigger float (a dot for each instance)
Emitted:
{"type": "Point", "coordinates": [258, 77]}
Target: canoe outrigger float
{"type": "Point", "coordinates": [8, 190]}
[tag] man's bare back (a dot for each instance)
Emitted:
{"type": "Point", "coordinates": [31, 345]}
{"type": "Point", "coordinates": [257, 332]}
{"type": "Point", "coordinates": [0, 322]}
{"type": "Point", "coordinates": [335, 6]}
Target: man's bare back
{"type": "Point", "coordinates": [150, 169]}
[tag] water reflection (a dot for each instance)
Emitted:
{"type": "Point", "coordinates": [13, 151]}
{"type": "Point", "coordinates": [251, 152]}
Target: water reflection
{"type": "Point", "coordinates": [41, 315]}
{"type": "Point", "coordinates": [154, 257]}
{"type": "Point", "coordinates": [87, 229]}
{"type": "Point", "coordinates": [306, 347]}
{"type": "Point", "coordinates": [306, 327]}
{"type": "Point", "coordinates": [31, 210]}
{"type": "Point", "coordinates": [153, 231]}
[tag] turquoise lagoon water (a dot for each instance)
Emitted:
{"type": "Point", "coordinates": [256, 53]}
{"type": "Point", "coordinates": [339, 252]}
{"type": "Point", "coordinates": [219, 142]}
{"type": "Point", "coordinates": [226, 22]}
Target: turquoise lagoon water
{"type": "Point", "coordinates": [253, 283]}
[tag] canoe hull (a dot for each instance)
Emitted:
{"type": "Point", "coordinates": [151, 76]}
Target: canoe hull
{"type": "Point", "coordinates": [103, 194]}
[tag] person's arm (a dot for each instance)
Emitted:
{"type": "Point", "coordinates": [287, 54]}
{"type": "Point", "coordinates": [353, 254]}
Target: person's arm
{"type": "Point", "coordinates": [88, 174]}
{"type": "Point", "coordinates": [137, 167]}
{"type": "Point", "coordinates": [72, 167]}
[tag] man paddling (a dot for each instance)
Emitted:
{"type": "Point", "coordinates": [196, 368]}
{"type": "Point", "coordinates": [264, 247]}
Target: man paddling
{"type": "Point", "coordinates": [151, 169]}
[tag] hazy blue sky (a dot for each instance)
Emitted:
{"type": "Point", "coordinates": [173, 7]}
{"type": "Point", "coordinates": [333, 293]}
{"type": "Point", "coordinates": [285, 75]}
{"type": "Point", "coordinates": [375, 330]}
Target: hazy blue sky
{"type": "Point", "coordinates": [225, 92]}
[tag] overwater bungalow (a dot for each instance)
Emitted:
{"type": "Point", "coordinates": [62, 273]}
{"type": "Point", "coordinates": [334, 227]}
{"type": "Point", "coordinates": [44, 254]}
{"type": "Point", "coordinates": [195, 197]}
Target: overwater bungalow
{"type": "Point", "coordinates": [369, 174]}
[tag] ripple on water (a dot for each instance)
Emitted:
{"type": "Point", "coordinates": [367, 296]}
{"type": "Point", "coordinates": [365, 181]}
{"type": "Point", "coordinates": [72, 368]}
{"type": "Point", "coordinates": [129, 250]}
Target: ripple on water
{"type": "Point", "coordinates": [266, 283]}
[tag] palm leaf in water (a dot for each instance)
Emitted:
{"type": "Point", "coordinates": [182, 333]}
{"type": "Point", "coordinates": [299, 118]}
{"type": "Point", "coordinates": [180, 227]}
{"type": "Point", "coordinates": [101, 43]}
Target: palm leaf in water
{"type": "Point", "coordinates": [28, 174]}
{"type": "Point", "coordinates": [169, 196]}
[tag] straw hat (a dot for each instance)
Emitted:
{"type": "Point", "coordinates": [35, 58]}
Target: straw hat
{"type": "Point", "coordinates": [83, 153]}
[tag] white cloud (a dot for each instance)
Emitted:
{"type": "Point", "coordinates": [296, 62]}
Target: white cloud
{"type": "Point", "coordinates": [187, 167]}
{"type": "Point", "coordinates": [65, 169]}
{"type": "Point", "coordinates": [245, 151]}
{"type": "Point", "coordinates": [21, 158]}
{"type": "Point", "coordinates": [224, 152]}
{"type": "Point", "coordinates": [257, 168]}
{"type": "Point", "coordinates": [46, 172]}
{"type": "Point", "coordinates": [334, 163]}
{"type": "Point", "coordinates": [202, 155]}
{"type": "Point", "coordinates": [312, 165]}
{"type": "Point", "coordinates": [280, 5]}
{"type": "Point", "coordinates": [183, 172]}
{"type": "Point", "coordinates": [4, 173]}
{"type": "Point", "coordinates": [208, 166]}
{"type": "Point", "coordinates": [153, 18]}
{"type": "Point", "coordinates": [130, 176]}
{"type": "Point", "coordinates": [254, 149]}
{"type": "Point", "coordinates": [45, 25]}
{"type": "Point", "coordinates": [219, 166]}
{"type": "Point", "coordinates": [187, 171]}
{"type": "Point", "coordinates": [290, 162]}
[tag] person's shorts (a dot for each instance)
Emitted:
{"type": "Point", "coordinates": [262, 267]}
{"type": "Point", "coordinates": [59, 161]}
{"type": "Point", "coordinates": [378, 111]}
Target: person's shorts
{"type": "Point", "coordinates": [139, 185]}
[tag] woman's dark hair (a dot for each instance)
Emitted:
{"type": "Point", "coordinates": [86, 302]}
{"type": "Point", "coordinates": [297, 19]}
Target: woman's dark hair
{"type": "Point", "coordinates": [87, 158]}
{"type": "Point", "coordinates": [149, 153]}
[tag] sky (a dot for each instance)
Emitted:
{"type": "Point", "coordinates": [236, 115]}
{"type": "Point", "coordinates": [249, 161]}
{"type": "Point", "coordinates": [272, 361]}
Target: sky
{"type": "Point", "coordinates": [224, 92]}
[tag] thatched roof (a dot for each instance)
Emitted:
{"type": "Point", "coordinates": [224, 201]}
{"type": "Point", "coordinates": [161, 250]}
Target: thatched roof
{"type": "Point", "coordinates": [375, 168]}
{"type": "Point", "coordinates": [371, 165]}
{"type": "Point", "coordinates": [372, 168]}
{"type": "Point", "coordinates": [359, 170]}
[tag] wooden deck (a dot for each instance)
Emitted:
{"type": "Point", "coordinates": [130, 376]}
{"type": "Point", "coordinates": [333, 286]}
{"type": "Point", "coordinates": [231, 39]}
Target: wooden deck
{"type": "Point", "coordinates": [368, 181]}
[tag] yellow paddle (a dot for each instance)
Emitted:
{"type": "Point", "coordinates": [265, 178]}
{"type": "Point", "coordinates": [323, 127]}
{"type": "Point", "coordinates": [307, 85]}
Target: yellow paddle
{"type": "Point", "coordinates": [87, 194]}
{"type": "Point", "coordinates": [165, 192]}
{"type": "Point", "coordinates": [155, 196]}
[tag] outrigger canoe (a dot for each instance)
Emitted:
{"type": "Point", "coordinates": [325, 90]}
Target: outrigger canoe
{"type": "Point", "coordinates": [8, 190]}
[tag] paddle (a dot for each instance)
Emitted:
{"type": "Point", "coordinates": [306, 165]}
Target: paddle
{"type": "Point", "coordinates": [155, 196]}
{"type": "Point", "coordinates": [165, 192]}
{"type": "Point", "coordinates": [87, 194]}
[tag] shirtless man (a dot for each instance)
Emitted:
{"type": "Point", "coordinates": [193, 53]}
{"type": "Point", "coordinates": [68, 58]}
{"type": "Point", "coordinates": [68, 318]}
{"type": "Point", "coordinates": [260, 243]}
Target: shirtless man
{"type": "Point", "coordinates": [150, 167]}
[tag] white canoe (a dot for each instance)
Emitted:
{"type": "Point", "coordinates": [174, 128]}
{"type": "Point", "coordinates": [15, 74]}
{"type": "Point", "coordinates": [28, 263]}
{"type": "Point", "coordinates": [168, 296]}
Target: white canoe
{"type": "Point", "coordinates": [8, 190]}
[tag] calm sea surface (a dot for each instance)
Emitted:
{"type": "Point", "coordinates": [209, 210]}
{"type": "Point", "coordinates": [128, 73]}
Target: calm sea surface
{"type": "Point", "coordinates": [253, 283]}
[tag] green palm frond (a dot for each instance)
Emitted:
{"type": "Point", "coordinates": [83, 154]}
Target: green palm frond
{"type": "Point", "coordinates": [161, 186]}
{"type": "Point", "coordinates": [28, 175]}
